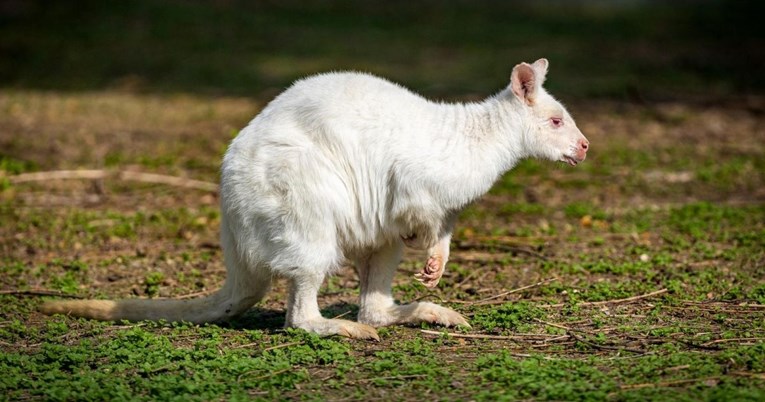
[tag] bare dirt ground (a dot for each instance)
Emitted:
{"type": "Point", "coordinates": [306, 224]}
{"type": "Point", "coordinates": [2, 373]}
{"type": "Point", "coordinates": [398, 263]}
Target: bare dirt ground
{"type": "Point", "coordinates": [644, 264]}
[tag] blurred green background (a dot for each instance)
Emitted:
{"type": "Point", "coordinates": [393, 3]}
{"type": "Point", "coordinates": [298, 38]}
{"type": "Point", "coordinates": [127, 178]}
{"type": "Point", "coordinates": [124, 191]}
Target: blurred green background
{"type": "Point", "coordinates": [628, 50]}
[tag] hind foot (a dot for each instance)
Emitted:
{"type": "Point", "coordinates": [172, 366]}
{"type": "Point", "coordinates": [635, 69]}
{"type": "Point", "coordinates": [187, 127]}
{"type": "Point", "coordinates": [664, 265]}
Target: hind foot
{"type": "Point", "coordinates": [413, 313]}
{"type": "Point", "coordinates": [350, 329]}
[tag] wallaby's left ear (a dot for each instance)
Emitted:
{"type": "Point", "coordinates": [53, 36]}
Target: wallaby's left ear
{"type": "Point", "coordinates": [540, 68]}
{"type": "Point", "coordinates": [526, 80]}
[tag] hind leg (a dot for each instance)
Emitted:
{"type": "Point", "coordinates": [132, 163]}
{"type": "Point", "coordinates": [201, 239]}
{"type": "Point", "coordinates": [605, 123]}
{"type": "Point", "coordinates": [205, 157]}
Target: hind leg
{"type": "Point", "coordinates": [303, 311]}
{"type": "Point", "coordinates": [245, 285]}
{"type": "Point", "coordinates": [377, 305]}
{"type": "Point", "coordinates": [246, 282]}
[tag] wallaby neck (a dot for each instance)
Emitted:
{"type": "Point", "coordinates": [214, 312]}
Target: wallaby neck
{"type": "Point", "coordinates": [484, 140]}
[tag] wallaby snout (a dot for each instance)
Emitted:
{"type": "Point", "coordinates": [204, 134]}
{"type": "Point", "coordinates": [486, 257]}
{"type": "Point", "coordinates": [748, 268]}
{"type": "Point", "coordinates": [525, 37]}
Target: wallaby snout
{"type": "Point", "coordinates": [582, 146]}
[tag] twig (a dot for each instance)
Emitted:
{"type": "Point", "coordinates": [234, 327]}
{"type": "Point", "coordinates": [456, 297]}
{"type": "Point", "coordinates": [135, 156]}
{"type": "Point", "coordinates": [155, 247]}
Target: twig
{"type": "Point", "coordinates": [558, 338]}
{"type": "Point", "coordinates": [517, 247]}
{"type": "Point", "coordinates": [731, 340]}
{"type": "Point", "coordinates": [625, 300]}
{"type": "Point", "coordinates": [666, 383]}
{"type": "Point", "coordinates": [467, 278]}
{"type": "Point", "coordinates": [119, 327]}
{"type": "Point", "coordinates": [283, 345]}
{"type": "Point", "coordinates": [492, 337]}
{"type": "Point", "coordinates": [595, 345]}
{"type": "Point", "coordinates": [169, 180]}
{"type": "Point", "coordinates": [341, 315]}
{"type": "Point", "coordinates": [432, 296]}
{"type": "Point", "coordinates": [275, 373]}
{"type": "Point", "coordinates": [754, 306]}
{"type": "Point", "coordinates": [513, 240]}
{"type": "Point", "coordinates": [40, 292]}
{"type": "Point", "coordinates": [490, 300]}
{"type": "Point", "coordinates": [699, 346]}
{"type": "Point", "coordinates": [615, 301]}
{"type": "Point", "coordinates": [481, 336]}
{"type": "Point", "coordinates": [193, 295]}
{"type": "Point", "coordinates": [395, 377]}
{"type": "Point", "coordinates": [760, 376]}
{"type": "Point", "coordinates": [553, 324]}
{"type": "Point", "coordinates": [58, 175]}
{"type": "Point", "coordinates": [750, 305]}
{"type": "Point", "coordinates": [95, 174]}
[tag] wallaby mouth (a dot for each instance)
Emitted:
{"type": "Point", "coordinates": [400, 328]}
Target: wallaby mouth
{"type": "Point", "coordinates": [571, 160]}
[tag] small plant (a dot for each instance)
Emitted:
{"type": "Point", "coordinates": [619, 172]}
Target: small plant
{"type": "Point", "coordinates": [509, 316]}
{"type": "Point", "coordinates": [152, 281]}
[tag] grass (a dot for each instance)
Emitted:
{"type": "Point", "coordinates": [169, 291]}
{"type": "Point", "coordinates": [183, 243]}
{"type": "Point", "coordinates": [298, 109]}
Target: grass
{"type": "Point", "coordinates": [669, 203]}
{"type": "Point", "coordinates": [597, 49]}
{"type": "Point", "coordinates": [702, 339]}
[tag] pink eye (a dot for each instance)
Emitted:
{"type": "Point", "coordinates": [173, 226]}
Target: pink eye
{"type": "Point", "coordinates": [556, 121]}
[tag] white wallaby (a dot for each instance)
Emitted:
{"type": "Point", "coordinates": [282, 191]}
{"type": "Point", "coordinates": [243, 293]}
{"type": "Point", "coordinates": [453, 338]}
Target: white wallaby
{"type": "Point", "coordinates": [350, 167]}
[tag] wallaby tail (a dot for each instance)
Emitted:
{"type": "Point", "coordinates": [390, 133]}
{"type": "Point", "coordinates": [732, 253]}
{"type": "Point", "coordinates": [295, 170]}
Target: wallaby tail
{"type": "Point", "coordinates": [246, 284]}
{"type": "Point", "coordinates": [228, 302]}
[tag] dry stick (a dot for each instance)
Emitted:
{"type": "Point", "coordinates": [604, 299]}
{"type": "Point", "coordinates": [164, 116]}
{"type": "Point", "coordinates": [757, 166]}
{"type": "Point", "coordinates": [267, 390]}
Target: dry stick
{"type": "Point", "coordinates": [512, 247]}
{"type": "Point", "coordinates": [559, 338]}
{"type": "Point", "coordinates": [341, 315]}
{"type": "Point", "coordinates": [695, 303]}
{"type": "Point", "coordinates": [754, 306]}
{"type": "Point", "coordinates": [488, 299]}
{"type": "Point", "coordinates": [432, 296]}
{"type": "Point", "coordinates": [283, 345]}
{"type": "Point", "coordinates": [615, 301]}
{"type": "Point", "coordinates": [666, 383]}
{"type": "Point", "coordinates": [760, 376]}
{"type": "Point", "coordinates": [275, 373]}
{"type": "Point", "coordinates": [625, 300]}
{"type": "Point", "coordinates": [395, 377]}
{"type": "Point", "coordinates": [467, 278]}
{"type": "Point", "coordinates": [717, 309]}
{"type": "Point", "coordinates": [493, 337]}
{"type": "Point", "coordinates": [595, 345]}
{"type": "Point", "coordinates": [123, 175]}
{"type": "Point", "coordinates": [193, 295]}
{"type": "Point", "coordinates": [169, 180]}
{"type": "Point", "coordinates": [553, 324]}
{"type": "Point", "coordinates": [58, 175]}
{"type": "Point", "coordinates": [456, 287]}
{"type": "Point", "coordinates": [479, 336]}
{"type": "Point", "coordinates": [487, 241]}
{"type": "Point", "coordinates": [39, 292]}
{"type": "Point", "coordinates": [731, 340]}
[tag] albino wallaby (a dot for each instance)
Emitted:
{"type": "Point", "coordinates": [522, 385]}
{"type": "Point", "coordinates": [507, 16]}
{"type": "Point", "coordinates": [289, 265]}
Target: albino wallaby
{"type": "Point", "coordinates": [350, 167]}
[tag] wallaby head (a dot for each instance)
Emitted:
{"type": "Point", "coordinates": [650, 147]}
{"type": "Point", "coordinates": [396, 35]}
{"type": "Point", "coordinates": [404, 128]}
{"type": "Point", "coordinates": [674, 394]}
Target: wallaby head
{"type": "Point", "coordinates": [550, 132]}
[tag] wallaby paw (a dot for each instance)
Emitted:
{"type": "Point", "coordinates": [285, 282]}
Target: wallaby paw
{"type": "Point", "coordinates": [359, 331]}
{"type": "Point", "coordinates": [432, 272]}
{"type": "Point", "coordinates": [350, 329]}
{"type": "Point", "coordinates": [413, 313]}
{"type": "Point", "coordinates": [435, 314]}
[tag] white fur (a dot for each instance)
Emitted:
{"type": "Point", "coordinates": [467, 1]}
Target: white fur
{"type": "Point", "coordinates": [342, 166]}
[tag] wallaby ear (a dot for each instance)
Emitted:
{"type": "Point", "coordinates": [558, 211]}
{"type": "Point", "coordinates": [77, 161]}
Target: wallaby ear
{"type": "Point", "coordinates": [540, 67]}
{"type": "Point", "coordinates": [523, 82]}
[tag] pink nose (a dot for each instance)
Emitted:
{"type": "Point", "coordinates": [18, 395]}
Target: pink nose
{"type": "Point", "coordinates": [584, 145]}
